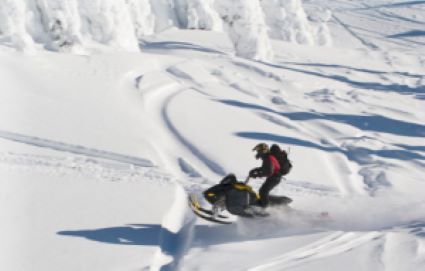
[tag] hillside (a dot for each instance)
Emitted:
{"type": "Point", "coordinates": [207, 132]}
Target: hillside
{"type": "Point", "coordinates": [101, 142]}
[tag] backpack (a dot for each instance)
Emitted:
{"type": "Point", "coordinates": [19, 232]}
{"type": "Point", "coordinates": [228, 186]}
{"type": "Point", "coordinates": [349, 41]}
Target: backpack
{"type": "Point", "coordinates": [282, 158]}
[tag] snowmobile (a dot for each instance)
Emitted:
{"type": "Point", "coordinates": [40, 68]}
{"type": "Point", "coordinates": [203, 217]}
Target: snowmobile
{"type": "Point", "coordinates": [238, 198]}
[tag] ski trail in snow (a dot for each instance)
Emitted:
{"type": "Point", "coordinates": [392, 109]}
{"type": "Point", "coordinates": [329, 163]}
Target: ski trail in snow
{"type": "Point", "coordinates": [213, 166]}
{"type": "Point", "coordinates": [366, 43]}
{"type": "Point", "coordinates": [77, 166]}
{"type": "Point", "coordinates": [333, 244]}
{"type": "Point", "coordinates": [75, 149]}
{"type": "Point", "coordinates": [157, 93]}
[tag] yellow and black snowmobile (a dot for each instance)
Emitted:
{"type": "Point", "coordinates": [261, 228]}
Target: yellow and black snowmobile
{"type": "Point", "coordinates": [238, 198]}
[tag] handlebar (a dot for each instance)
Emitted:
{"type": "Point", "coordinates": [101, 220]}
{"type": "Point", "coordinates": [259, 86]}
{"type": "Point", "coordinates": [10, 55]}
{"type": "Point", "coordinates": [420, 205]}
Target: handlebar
{"type": "Point", "coordinates": [247, 180]}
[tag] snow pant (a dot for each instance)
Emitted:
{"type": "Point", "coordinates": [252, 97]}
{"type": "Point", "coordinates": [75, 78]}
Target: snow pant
{"type": "Point", "coordinates": [265, 189]}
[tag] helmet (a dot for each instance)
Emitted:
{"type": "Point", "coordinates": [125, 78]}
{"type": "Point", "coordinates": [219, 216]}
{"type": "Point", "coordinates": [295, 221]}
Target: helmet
{"type": "Point", "coordinates": [229, 179]}
{"type": "Point", "coordinates": [261, 149]}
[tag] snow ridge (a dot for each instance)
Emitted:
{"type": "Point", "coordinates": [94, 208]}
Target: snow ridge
{"type": "Point", "coordinates": [176, 234]}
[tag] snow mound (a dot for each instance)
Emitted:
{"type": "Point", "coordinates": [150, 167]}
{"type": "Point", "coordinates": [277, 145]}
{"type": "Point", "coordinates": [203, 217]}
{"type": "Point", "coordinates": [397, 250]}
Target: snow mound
{"type": "Point", "coordinates": [176, 234]}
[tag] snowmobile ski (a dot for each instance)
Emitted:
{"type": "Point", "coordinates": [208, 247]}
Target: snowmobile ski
{"type": "Point", "coordinates": [205, 213]}
{"type": "Point", "coordinates": [193, 199]}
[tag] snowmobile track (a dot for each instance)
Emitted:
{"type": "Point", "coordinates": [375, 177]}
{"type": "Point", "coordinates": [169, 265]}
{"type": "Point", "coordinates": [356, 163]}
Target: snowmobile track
{"type": "Point", "coordinates": [75, 149]}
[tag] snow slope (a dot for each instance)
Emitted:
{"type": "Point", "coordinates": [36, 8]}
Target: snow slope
{"type": "Point", "coordinates": [98, 151]}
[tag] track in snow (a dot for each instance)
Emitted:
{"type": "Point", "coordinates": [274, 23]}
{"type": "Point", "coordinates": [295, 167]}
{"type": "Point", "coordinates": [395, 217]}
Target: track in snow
{"type": "Point", "coordinates": [75, 149]}
{"type": "Point", "coordinates": [157, 92]}
{"type": "Point", "coordinates": [333, 244]}
{"type": "Point", "coordinates": [81, 166]}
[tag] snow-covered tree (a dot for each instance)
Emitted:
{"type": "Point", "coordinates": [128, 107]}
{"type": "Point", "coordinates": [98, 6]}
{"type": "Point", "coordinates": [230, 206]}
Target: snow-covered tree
{"type": "Point", "coordinates": [202, 15]}
{"type": "Point", "coordinates": [245, 23]}
{"type": "Point", "coordinates": [287, 21]}
{"type": "Point", "coordinates": [142, 16]}
{"type": "Point", "coordinates": [61, 22]}
{"type": "Point", "coordinates": [165, 14]}
{"type": "Point", "coordinates": [108, 22]}
{"type": "Point", "coordinates": [12, 24]}
{"type": "Point", "coordinates": [68, 25]}
{"type": "Point", "coordinates": [319, 18]}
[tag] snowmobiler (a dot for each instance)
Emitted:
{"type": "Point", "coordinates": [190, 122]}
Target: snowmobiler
{"type": "Point", "coordinates": [274, 165]}
{"type": "Point", "coordinates": [238, 198]}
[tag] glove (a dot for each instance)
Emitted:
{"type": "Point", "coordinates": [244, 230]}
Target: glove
{"type": "Point", "coordinates": [253, 173]}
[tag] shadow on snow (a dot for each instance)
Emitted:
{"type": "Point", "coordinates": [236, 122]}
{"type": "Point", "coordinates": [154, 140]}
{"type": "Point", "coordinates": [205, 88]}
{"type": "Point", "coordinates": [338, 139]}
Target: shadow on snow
{"type": "Point", "coordinates": [154, 234]}
{"type": "Point", "coordinates": [374, 123]}
{"type": "Point", "coordinates": [360, 155]}
{"type": "Point", "coordinates": [175, 45]}
{"type": "Point", "coordinates": [203, 235]}
{"type": "Point", "coordinates": [417, 228]}
{"type": "Point", "coordinates": [173, 244]}
{"type": "Point", "coordinates": [412, 33]}
{"type": "Point", "coordinates": [351, 68]}
{"type": "Point", "coordinates": [400, 4]}
{"type": "Point", "coordinates": [399, 88]}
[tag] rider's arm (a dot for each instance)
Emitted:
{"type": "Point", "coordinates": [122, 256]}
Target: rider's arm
{"type": "Point", "coordinates": [266, 167]}
{"type": "Point", "coordinates": [265, 170]}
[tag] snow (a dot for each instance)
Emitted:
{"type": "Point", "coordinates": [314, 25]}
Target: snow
{"type": "Point", "coordinates": [12, 25]}
{"type": "Point", "coordinates": [288, 21]}
{"type": "Point", "coordinates": [198, 14]}
{"type": "Point", "coordinates": [247, 28]}
{"type": "Point", "coordinates": [77, 26]}
{"type": "Point", "coordinates": [110, 118]}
